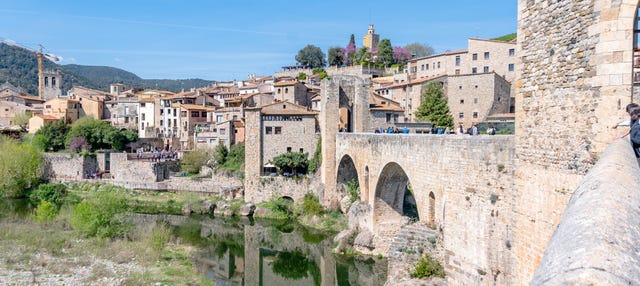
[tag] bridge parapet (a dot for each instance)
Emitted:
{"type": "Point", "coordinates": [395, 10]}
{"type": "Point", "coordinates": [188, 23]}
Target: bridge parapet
{"type": "Point", "coordinates": [598, 239]}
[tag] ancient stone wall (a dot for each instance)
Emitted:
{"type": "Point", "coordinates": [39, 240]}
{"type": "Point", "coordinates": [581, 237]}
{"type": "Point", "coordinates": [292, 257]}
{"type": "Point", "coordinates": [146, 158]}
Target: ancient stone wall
{"type": "Point", "coordinates": [125, 170]}
{"type": "Point", "coordinates": [471, 181]}
{"type": "Point", "coordinates": [598, 234]}
{"type": "Point", "coordinates": [295, 188]}
{"type": "Point", "coordinates": [67, 167]}
{"type": "Point", "coordinates": [574, 82]}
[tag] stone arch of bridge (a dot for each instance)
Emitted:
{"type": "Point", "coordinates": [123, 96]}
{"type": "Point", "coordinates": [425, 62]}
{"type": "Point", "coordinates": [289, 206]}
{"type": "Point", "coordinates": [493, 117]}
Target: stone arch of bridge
{"type": "Point", "coordinates": [394, 200]}
{"type": "Point", "coordinates": [347, 172]}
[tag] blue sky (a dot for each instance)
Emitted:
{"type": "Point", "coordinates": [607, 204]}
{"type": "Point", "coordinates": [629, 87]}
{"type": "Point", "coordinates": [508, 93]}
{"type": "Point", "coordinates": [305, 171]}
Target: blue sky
{"type": "Point", "coordinates": [224, 40]}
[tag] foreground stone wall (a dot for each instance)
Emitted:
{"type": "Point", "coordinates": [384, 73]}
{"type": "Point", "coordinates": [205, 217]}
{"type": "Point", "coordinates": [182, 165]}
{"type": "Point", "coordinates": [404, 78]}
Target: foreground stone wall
{"type": "Point", "coordinates": [269, 187]}
{"type": "Point", "coordinates": [471, 180]}
{"type": "Point", "coordinates": [574, 83]}
{"type": "Point", "coordinates": [125, 170]}
{"type": "Point", "coordinates": [598, 237]}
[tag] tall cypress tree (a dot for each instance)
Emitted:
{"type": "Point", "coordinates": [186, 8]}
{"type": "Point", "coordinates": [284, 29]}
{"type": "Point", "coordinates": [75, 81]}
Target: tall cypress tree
{"type": "Point", "coordinates": [433, 106]}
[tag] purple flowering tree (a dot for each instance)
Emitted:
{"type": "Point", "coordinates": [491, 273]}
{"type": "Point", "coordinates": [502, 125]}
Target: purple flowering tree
{"type": "Point", "coordinates": [79, 143]}
{"type": "Point", "coordinates": [400, 55]}
{"type": "Point", "coordinates": [350, 52]}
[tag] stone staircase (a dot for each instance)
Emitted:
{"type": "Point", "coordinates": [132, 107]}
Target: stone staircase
{"type": "Point", "coordinates": [406, 248]}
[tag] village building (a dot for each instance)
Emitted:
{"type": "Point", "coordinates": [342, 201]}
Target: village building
{"type": "Point", "coordinates": [9, 110]}
{"type": "Point", "coordinates": [37, 121]}
{"type": "Point", "coordinates": [191, 117]}
{"type": "Point", "coordinates": [211, 134]}
{"type": "Point", "coordinates": [147, 126]}
{"type": "Point", "coordinates": [279, 127]}
{"type": "Point", "coordinates": [292, 91]}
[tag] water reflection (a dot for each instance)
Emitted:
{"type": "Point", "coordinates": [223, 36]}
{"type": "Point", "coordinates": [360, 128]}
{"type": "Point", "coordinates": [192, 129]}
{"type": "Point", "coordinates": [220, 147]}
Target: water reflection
{"type": "Point", "coordinates": [243, 252]}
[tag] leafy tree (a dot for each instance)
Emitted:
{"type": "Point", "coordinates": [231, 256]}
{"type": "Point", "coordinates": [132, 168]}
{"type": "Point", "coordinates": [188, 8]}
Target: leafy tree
{"type": "Point", "coordinates": [100, 134]}
{"type": "Point", "coordinates": [400, 55]}
{"type": "Point", "coordinates": [311, 56]}
{"type": "Point", "coordinates": [291, 162]}
{"type": "Point", "coordinates": [52, 192]}
{"type": "Point", "coordinates": [419, 50]}
{"type": "Point", "coordinates": [362, 55]}
{"type": "Point", "coordinates": [336, 56]}
{"type": "Point", "coordinates": [78, 144]}
{"type": "Point", "coordinates": [22, 119]}
{"type": "Point", "coordinates": [385, 52]}
{"type": "Point", "coordinates": [433, 106]}
{"type": "Point", "coordinates": [20, 167]}
{"type": "Point", "coordinates": [52, 136]}
{"type": "Point", "coordinates": [311, 205]}
{"type": "Point", "coordinates": [350, 50]}
{"type": "Point", "coordinates": [235, 158]}
{"type": "Point", "coordinates": [220, 154]}
{"type": "Point", "coordinates": [302, 76]}
{"type": "Point", "coordinates": [100, 216]}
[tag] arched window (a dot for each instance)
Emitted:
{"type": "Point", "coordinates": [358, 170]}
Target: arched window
{"type": "Point", "coordinates": [53, 81]}
{"type": "Point", "coordinates": [46, 81]}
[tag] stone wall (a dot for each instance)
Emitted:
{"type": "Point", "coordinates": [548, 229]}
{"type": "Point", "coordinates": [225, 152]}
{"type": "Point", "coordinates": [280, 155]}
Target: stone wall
{"type": "Point", "coordinates": [68, 167]}
{"type": "Point", "coordinates": [576, 60]}
{"type": "Point", "coordinates": [269, 187]}
{"type": "Point", "coordinates": [471, 181]}
{"type": "Point", "coordinates": [598, 237]}
{"type": "Point", "coordinates": [476, 93]}
{"type": "Point", "coordinates": [125, 170]}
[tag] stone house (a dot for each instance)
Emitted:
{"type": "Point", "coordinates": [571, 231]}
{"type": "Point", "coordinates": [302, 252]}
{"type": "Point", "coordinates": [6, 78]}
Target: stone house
{"type": "Point", "coordinates": [122, 112]}
{"type": "Point", "coordinates": [62, 108]}
{"type": "Point", "coordinates": [292, 91]}
{"type": "Point", "coordinates": [384, 112]}
{"type": "Point", "coordinates": [408, 93]}
{"type": "Point", "coordinates": [473, 97]}
{"type": "Point", "coordinates": [37, 121]}
{"type": "Point", "coordinates": [481, 56]}
{"type": "Point", "coordinates": [91, 101]}
{"type": "Point", "coordinates": [277, 128]}
{"type": "Point", "coordinates": [9, 109]}
{"type": "Point", "coordinates": [191, 115]}
{"type": "Point", "coordinates": [146, 119]}
{"type": "Point", "coordinates": [210, 134]}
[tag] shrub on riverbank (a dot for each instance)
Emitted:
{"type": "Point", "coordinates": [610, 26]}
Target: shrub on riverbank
{"type": "Point", "coordinates": [428, 267]}
{"type": "Point", "coordinates": [20, 167]}
{"type": "Point", "coordinates": [100, 216]}
{"type": "Point", "coordinates": [53, 193]}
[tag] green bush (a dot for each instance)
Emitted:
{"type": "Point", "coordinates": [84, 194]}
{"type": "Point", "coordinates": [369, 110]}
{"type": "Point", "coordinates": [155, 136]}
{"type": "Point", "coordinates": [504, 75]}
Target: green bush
{"type": "Point", "coordinates": [279, 208]}
{"type": "Point", "coordinates": [315, 162]}
{"type": "Point", "coordinates": [220, 154]}
{"type": "Point", "coordinates": [235, 158]}
{"type": "Point", "coordinates": [46, 211]}
{"type": "Point", "coordinates": [192, 161]}
{"type": "Point", "coordinates": [428, 267]}
{"type": "Point", "coordinates": [101, 216]}
{"type": "Point", "coordinates": [311, 205]}
{"type": "Point", "coordinates": [53, 193]}
{"type": "Point", "coordinates": [20, 167]}
{"type": "Point", "coordinates": [291, 162]}
{"type": "Point", "coordinates": [353, 188]}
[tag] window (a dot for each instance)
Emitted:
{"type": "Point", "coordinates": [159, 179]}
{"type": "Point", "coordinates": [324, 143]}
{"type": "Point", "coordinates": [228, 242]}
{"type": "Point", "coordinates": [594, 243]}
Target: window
{"type": "Point", "coordinates": [388, 117]}
{"type": "Point", "coordinates": [161, 123]}
{"type": "Point", "coordinates": [301, 150]}
{"type": "Point", "coordinates": [395, 118]}
{"type": "Point", "coordinates": [475, 114]}
{"type": "Point", "coordinates": [286, 90]}
{"type": "Point", "coordinates": [279, 90]}
{"type": "Point", "coordinates": [203, 114]}
{"type": "Point", "coordinates": [219, 118]}
{"type": "Point", "coordinates": [47, 106]}
{"type": "Point", "coordinates": [175, 112]}
{"type": "Point", "coordinates": [475, 100]}
{"type": "Point", "coordinates": [460, 87]}
{"type": "Point", "coordinates": [457, 71]}
{"type": "Point", "coordinates": [461, 101]}
{"type": "Point", "coordinates": [474, 70]}
{"type": "Point", "coordinates": [422, 67]}
{"type": "Point", "coordinates": [142, 104]}
{"type": "Point", "coordinates": [512, 52]}
{"type": "Point", "coordinates": [223, 131]}
{"type": "Point", "coordinates": [486, 55]}
{"type": "Point", "coordinates": [485, 69]}
{"type": "Point", "coordinates": [278, 130]}
{"type": "Point", "coordinates": [474, 57]}
{"type": "Point", "coordinates": [183, 113]}
{"type": "Point", "coordinates": [195, 114]}
{"type": "Point", "coordinates": [175, 122]}
{"type": "Point", "coordinates": [511, 67]}
{"type": "Point", "coordinates": [268, 130]}
{"type": "Point", "coordinates": [438, 64]}
{"type": "Point", "coordinates": [46, 81]}
{"type": "Point", "coordinates": [161, 111]}
{"type": "Point", "coordinates": [169, 123]}
{"type": "Point", "coordinates": [461, 115]}
{"type": "Point", "coordinates": [53, 81]}
{"type": "Point", "coordinates": [142, 116]}
{"type": "Point", "coordinates": [427, 66]}
{"type": "Point", "coordinates": [288, 149]}
{"type": "Point", "coordinates": [457, 61]}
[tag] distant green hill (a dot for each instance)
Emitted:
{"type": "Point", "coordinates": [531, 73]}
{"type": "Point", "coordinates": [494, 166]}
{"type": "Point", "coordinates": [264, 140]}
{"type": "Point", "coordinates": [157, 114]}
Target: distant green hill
{"type": "Point", "coordinates": [506, 38]}
{"type": "Point", "coordinates": [19, 67]}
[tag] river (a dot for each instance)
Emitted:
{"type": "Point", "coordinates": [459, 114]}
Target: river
{"type": "Point", "coordinates": [242, 251]}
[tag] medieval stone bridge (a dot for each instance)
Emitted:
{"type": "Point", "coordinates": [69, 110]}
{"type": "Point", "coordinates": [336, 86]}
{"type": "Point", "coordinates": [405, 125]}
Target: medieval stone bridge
{"type": "Point", "coordinates": [460, 184]}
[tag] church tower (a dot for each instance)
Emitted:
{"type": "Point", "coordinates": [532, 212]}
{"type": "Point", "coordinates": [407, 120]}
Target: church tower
{"type": "Point", "coordinates": [371, 39]}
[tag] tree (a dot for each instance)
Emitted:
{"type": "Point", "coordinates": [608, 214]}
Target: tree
{"type": "Point", "coordinates": [192, 161]}
{"type": "Point", "coordinates": [362, 55]}
{"type": "Point", "coordinates": [291, 162]}
{"type": "Point", "coordinates": [52, 136]}
{"type": "Point", "coordinates": [78, 144]}
{"type": "Point", "coordinates": [100, 134]}
{"type": "Point", "coordinates": [419, 50]}
{"type": "Point", "coordinates": [385, 52]}
{"type": "Point", "coordinates": [311, 56]}
{"type": "Point", "coordinates": [302, 76]}
{"type": "Point", "coordinates": [433, 106]}
{"type": "Point", "coordinates": [320, 72]}
{"type": "Point", "coordinates": [20, 167]}
{"type": "Point", "coordinates": [220, 154]}
{"type": "Point", "coordinates": [336, 56]}
{"type": "Point", "coordinates": [22, 119]}
{"type": "Point", "coordinates": [400, 55]}
{"type": "Point", "coordinates": [350, 50]}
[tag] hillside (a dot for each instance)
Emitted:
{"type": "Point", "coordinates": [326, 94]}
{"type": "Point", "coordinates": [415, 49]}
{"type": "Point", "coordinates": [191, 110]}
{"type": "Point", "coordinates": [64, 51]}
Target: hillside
{"type": "Point", "coordinates": [506, 38]}
{"type": "Point", "coordinates": [19, 67]}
